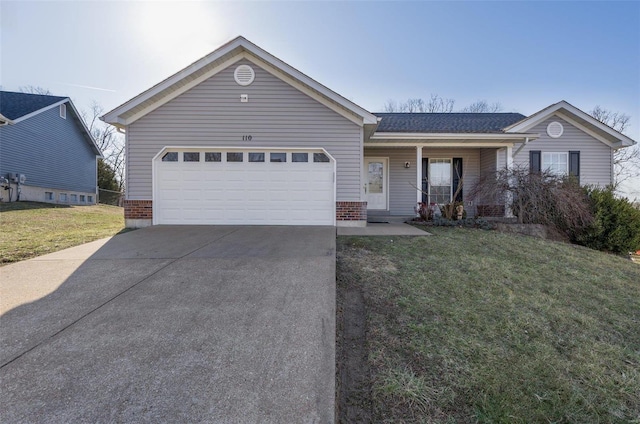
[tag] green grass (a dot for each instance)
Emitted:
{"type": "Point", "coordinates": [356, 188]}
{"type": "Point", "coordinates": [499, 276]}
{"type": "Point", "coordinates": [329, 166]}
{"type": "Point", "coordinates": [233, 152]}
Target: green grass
{"type": "Point", "coordinates": [479, 326]}
{"type": "Point", "coordinates": [32, 229]}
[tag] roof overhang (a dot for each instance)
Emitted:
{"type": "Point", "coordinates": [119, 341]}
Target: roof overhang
{"type": "Point", "coordinates": [466, 140]}
{"type": "Point", "coordinates": [5, 121]}
{"type": "Point", "coordinates": [577, 118]}
{"type": "Point", "coordinates": [225, 56]}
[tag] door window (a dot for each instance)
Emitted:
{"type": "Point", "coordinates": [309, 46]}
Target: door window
{"type": "Point", "coordinates": [439, 181]}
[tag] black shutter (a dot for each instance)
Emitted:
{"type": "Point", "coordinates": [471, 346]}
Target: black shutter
{"type": "Point", "coordinates": [574, 164]}
{"type": "Point", "coordinates": [457, 178]}
{"type": "Point", "coordinates": [535, 158]}
{"type": "Point", "coordinates": [425, 179]}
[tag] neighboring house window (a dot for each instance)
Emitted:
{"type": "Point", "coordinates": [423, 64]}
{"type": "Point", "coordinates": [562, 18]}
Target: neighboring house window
{"type": "Point", "coordinates": [90, 199]}
{"type": "Point", "coordinates": [170, 157]}
{"type": "Point", "coordinates": [440, 181]}
{"type": "Point", "coordinates": [63, 111]}
{"type": "Point", "coordinates": [556, 163]}
{"type": "Point", "coordinates": [74, 198]}
{"type": "Point", "coordinates": [82, 198]}
{"type": "Point", "coordinates": [62, 197]}
{"type": "Point", "coordinates": [299, 157]}
{"type": "Point", "coordinates": [48, 195]}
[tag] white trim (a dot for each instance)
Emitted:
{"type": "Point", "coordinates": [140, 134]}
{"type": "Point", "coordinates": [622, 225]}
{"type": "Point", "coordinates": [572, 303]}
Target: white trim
{"type": "Point", "coordinates": [553, 152]}
{"type": "Point", "coordinates": [442, 144]}
{"type": "Point", "coordinates": [5, 121]}
{"type": "Point", "coordinates": [243, 46]}
{"type": "Point", "coordinates": [586, 130]}
{"type": "Point", "coordinates": [419, 174]}
{"type": "Point", "coordinates": [450, 159]}
{"type": "Point", "coordinates": [234, 148]}
{"type": "Point", "coordinates": [545, 113]}
{"type": "Point", "coordinates": [509, 157]}
{"type": "Point", "coordinates": [63, 111]}
{"type": "Point", "coordinates": [450, 136]}
{"type": "Point", "coordinates": [44, 109]}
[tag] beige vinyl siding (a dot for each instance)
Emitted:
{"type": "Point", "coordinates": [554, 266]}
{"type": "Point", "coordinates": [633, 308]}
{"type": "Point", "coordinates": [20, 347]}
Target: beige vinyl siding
{"type": "Point", "coordinates": [402, 192]}
{"type": "Point", "coordinates": [595, 156]}
{"type": "Point", "coordinates": [488, 161]}
{"type": "Point", "coordinates": [276, 115]}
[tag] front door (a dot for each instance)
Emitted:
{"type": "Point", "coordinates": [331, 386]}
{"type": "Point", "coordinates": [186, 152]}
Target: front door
{"type": "Point", "coordinates": [376, 183]}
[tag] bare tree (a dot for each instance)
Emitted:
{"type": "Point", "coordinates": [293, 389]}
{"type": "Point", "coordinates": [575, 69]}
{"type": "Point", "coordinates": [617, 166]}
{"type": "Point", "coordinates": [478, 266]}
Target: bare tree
{"type": "Point", "coordinates": [482, 106]}
{"type": "Point", "coordinates": [32, 89]}
{"type": "Point", "coordinates": [110, 142]}
{"type": "Point", "coordinates": [435, 104]}
{"type": "Point", "coordinates": [626, 162]}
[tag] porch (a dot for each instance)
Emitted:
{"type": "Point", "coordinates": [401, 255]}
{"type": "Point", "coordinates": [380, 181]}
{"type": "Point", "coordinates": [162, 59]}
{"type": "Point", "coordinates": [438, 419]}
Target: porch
{"type": "Point", "coordinates": [398, 177]}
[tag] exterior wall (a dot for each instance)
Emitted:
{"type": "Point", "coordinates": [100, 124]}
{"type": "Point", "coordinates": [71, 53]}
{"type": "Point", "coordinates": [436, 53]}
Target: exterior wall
{"type": "Point", "coordinates": [50, 151]}
{"type": "Point", "coordinates": [276, 115]}
{"type": "Point", "coordinates": [138, 213]}
{"type": "Point", "coordinates": [596, 158]}
{"type": "Point", "coordinates": [402, 193]}
{"type": "Point", "coordinates": [39, 194]}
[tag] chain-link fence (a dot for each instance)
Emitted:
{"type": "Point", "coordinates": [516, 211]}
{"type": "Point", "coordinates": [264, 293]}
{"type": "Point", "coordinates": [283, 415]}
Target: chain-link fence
{"type": "Point", "coordinates": [110, 197]}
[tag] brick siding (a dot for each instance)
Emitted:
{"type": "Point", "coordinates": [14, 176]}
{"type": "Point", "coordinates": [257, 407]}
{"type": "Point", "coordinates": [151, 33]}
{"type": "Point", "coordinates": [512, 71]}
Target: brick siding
{"type": "Point", "coordinates": [491, 210]}
{"type": "Point", "coordinates": [351, 211]}
{"type": "Point", "coordinates": [138, 209]}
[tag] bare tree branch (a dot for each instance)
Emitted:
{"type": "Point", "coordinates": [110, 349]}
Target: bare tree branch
{"type": "Point", "coordinates": [482, 106]}
{"type": "Point", "coordinates": [32, 89]}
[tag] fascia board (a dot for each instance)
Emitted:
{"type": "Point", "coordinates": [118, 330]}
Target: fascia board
{"type": "Point", "coordinates": [86, 130]}
{"type": "Point", "coordinates": [368, 117]}
{"type": "Point", "coordinates": [113, 115]}
{"type": "Point", "coordinates": [240, 42]}
{"type": "Point", "coordinates": [544, 114]}
{"type": "Point", "coordinates": [451, 136]}
{"type": "Point", "coordinates": [459, 144]}
{"type": "Point", "coordinates": [39, 111]}
{"type": "Point", "coordinates": [4, 120]}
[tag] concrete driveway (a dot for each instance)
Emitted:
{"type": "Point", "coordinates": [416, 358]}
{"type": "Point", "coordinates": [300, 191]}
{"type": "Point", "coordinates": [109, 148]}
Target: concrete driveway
{"type": "Point", "coordinates": [173, 324]}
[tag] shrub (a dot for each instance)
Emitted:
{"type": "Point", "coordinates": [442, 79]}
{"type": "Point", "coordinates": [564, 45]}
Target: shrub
{"type": "Point", "coordinates": [616, 224]}
{"type": "Point", "coordinates": [537, 198]}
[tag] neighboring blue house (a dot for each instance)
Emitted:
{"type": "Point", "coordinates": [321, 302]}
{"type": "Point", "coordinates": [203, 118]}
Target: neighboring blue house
{"type": "Point", "coordinates": [47, 154]}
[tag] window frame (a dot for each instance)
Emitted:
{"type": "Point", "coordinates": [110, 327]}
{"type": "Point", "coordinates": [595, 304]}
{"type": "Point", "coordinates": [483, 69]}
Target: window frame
{"type": "Point", "coordinates": [545, 167]}
{"type": "Point", "coordinates": [431, 185]}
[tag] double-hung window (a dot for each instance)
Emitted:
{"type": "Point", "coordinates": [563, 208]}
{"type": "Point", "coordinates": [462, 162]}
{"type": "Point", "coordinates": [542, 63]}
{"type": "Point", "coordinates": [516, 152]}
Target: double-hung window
{"type": "Point", "coordinates": [556, 163]}
{"type": "Point", "coordinates": [440, 181]}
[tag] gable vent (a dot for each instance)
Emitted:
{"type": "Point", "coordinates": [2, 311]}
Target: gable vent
{"type": "Point", "coordinates": [555, 129]}
{"type": "Point", "coordinates": [244, 75]}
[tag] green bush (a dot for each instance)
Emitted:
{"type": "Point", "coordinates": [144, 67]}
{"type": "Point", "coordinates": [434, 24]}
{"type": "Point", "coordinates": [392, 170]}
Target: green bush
{"type": "Point", "coordinates": [616, 224]}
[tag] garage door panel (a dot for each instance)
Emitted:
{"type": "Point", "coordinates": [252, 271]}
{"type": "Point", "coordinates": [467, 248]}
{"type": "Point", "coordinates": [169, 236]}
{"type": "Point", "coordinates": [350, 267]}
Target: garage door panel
{"type": "Point", "coordinates": [244, 193]}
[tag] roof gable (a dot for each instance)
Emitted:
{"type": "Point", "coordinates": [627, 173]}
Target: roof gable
{"type": "Point", "coordinates": [18, 105]}
{"type": "Point", "coordinates": [446, 122]}
{"type": "Point", "coordinates": [577, 118]}
{"type": "Point", "coordinates": [225, 56]}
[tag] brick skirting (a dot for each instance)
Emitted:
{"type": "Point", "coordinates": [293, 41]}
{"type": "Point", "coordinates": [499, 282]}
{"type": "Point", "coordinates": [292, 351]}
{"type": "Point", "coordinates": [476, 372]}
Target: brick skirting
{"type": "Point", "coordinates": [345, 211]}
{"type": "Point", "coordinates": [351, 211]}
{"type": "Point", "coordinates": [138, 209]}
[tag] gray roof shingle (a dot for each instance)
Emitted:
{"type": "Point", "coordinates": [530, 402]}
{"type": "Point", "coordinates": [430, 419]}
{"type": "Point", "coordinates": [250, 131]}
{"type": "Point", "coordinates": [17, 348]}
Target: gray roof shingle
{"type": "Point", "coordinates": [447, 122]}
{"type": "Point", "coordinates": [15, 105]}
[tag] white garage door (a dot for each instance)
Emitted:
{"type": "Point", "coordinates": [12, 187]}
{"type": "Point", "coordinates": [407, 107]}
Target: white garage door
{"type": "Point", "coordinates": [244, 187]}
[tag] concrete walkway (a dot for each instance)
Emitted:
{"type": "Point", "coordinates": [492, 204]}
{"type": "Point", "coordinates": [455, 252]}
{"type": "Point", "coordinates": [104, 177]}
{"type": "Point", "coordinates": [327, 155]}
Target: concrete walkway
{"type": "Point", "coordinates": [173, 324]}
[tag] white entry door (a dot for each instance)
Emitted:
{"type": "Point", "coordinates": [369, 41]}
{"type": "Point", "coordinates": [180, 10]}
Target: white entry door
{"type": "Point", "coordinates": [376, 170]}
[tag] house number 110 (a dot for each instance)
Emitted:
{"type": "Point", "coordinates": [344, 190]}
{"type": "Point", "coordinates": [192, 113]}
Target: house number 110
{"type": "Point", "coordinates": [246, 138]}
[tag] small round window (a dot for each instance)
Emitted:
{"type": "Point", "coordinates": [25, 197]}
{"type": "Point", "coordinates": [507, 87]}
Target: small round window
{"type": "Point", "coordinates": [555, 129]}
{"type": "Point", "coordinates": [244, 75]}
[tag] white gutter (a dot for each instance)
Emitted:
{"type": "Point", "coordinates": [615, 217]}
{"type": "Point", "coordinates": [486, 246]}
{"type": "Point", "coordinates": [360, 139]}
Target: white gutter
{"type": "Point", "coordinates": [526, 141]}
{"type": "Point", "coordinates": [450, 136]}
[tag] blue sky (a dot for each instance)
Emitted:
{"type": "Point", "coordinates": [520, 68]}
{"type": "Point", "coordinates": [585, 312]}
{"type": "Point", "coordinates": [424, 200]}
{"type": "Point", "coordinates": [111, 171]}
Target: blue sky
{"type": "Point", "coordinates": [525, 55]}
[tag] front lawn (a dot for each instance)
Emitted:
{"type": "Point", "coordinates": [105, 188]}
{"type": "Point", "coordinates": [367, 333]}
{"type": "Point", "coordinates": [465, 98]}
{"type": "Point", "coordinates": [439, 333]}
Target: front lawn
{"type": "Point", "coordinates": [32, 229]}
{"type": "Point", "coordinates": [477, 326]}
